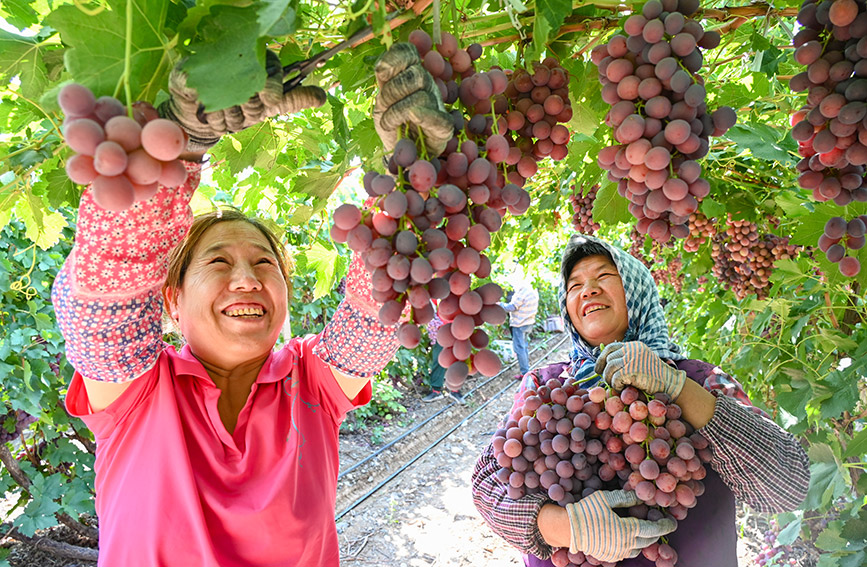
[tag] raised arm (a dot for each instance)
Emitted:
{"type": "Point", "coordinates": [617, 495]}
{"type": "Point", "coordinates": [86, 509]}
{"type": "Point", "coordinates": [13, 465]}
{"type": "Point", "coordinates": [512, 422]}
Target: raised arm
{"type": "Point", "coordinates": [107, 295]}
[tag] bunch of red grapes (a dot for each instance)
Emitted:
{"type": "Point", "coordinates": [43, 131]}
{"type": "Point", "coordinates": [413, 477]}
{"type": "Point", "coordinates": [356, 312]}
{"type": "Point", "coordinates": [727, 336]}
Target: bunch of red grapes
{"type": "Point", "coordinates": [432, 217]}
{"type": "Point", "coordinates": [123, 159]}
{"type": "Point", "coordinates": [830, 128]}
{"type": "Point", "coordinates": [568, 442]}
{"type": "Point", "coordinates": [701, 229]}
{"type": "Point", "coordinates": [539, 107]}
{"type": "Point", "coordinates": [582, 205]}
{"type": "Point", "coordinates": [744, 260]}
{"type": "Point", "coordinates": [773, 555]}
{"type": "Point", "coordinates": [841, 237]}
{"type": "Point", "coordinates": [659, 116]}
{"type": "Point", "coordinates": [13, 423]}
{"type": "Point", "coordinates": [667, 271]}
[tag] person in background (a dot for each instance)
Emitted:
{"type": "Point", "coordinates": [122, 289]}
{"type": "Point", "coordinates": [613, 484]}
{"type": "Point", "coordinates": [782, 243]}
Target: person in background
{"type": "Point", "coordinates": [437, 372]}
{"type": "Point", "coordinates": [522, 308]}
{"type": "Point", "coordinates": [608, 297]}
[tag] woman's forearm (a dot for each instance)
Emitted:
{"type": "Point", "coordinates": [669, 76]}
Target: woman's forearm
{"type": "Point", "coordinates": [696, 403]}
{"type": "Point", "coordinates": [553, 522]}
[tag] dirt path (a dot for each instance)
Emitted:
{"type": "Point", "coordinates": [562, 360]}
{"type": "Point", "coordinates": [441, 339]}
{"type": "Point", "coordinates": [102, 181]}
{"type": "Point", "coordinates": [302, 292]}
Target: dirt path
{"type": "Point", "coordinates": [425, 516]}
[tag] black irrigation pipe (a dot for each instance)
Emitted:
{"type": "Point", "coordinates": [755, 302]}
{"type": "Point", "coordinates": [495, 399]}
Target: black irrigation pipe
{"type": "Point", "coordinates": [388, 479]}
{"type": "Point", "coordinates": [430, 418]}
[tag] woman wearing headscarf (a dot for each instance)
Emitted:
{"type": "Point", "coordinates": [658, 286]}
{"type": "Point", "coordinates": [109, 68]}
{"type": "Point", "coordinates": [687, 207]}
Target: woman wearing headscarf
{"type": "Point", "coordinates": [607, 297]}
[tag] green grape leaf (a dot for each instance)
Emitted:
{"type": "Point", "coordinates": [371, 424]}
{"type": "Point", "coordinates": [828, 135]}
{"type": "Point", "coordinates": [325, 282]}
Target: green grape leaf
{"type": "Point", "coordinates": [22, 56]}
{"type": "Point", "coordinates": [857, 447]}
{"type": "Point", "coordinates": [19, 13]}
{"type": "Point", "coordinates": [324, 258]}
{"type": "Point", "coordinates": [609, 207]}
{"type": "Point", "coordinates": [225, 66]}
{"type": "Point", "coordinates": [97, 47]}
{"type": "Point", "coordinates": [765, 142]}
{"type": "Point", "coordinates": [550, 15]}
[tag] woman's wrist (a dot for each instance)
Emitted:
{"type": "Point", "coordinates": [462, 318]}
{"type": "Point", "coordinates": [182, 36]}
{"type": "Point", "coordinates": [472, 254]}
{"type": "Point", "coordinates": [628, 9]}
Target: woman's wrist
{"type": "Point", "coordinates": [553, 522]}
{"type": "Point", "coordinates": [696, 403]}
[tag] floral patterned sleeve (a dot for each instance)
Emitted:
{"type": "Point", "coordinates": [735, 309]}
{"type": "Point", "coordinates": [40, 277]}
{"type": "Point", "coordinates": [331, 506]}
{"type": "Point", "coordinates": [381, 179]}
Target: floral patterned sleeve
{"type": "Point", "coordinates": [107, 296]}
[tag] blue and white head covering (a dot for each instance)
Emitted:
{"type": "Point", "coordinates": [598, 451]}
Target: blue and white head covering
{"type": "Point", "coordinates": [646, 318]}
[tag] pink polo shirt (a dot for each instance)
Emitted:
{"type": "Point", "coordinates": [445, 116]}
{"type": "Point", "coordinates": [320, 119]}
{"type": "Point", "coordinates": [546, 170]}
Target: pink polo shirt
{"type": "Point", "coordinates": [173, 487]}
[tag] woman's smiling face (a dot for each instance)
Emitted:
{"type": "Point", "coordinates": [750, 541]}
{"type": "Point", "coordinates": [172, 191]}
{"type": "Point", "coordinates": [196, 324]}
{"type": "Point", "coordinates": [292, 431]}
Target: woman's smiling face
{"type": "Point", "coordinates": [596, 301]}
{"type": "Point", "coordinates": [233, 300]}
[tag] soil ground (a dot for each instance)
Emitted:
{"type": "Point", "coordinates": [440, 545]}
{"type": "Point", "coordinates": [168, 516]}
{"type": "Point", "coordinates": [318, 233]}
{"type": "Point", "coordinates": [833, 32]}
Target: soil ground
{"type": "Point", "coordinates": [424, 515]}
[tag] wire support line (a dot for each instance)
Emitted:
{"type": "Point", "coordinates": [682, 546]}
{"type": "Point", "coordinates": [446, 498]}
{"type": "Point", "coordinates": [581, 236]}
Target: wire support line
{"type": "Point", "coordinates": [426, 450]}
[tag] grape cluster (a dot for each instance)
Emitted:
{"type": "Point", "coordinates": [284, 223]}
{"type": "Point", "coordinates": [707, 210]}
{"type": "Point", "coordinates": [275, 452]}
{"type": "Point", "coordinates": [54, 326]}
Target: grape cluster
{"type": "Point", "coordinates": [125, 159]}
{"type": "Point", "coordinates": [431, 218]}
{"type": "Point", "coordinates": [13, 423]}
{"type": "Point", "coordinates": [582, 205]}
{"type": "Point", "coordinates": [841, 236]}
{"type": "Point", "coordinates": [636, 247]}
{"type": "Point", "coordinates": [669, 273]}
{"type": "Point", "coordinates": [771, 554]}
{"type": "Point", "coordinates": [830, 127]}
{"type": "Point", "coordinates": [567, 442]}
{"type": "Point", "coordinates": [701, 229]}
{"type": "Point", "coordinates": [744, 260]}
{"type": "Point", "coordinates": [539, 107]}
{"type": "Point", "coordinates": [659, 115]}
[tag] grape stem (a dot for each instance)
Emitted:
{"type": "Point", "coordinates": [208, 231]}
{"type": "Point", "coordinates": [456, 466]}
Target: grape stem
{"type": "Point", "coordinates": [127, 58]}
{"type": "Point", "coordinates": [89, 11]}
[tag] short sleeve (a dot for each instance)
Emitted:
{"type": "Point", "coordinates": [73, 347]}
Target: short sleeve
{"type": "Point", "coordinates": [319, 379]}
{"type": "Point", "coordinates": [103, 423]}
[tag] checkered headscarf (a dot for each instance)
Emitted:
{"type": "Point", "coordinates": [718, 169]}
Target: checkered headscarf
{"type": "Point", "coordinates": [646, 318]}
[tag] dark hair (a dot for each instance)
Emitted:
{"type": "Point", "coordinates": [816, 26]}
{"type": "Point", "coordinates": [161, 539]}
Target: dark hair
{"type": "Point", "coordinates": [182, 255]}
{"type": "Point", "coordinates": [578, 248]}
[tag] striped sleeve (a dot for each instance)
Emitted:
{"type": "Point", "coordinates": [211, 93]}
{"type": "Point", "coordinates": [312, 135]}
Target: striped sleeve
{"type": "Point", "coordinates": [761, 463]}
{"type": "Point", "coordinates": [513, 520]}
{"type": "Point", "coordinates": [526, 303]}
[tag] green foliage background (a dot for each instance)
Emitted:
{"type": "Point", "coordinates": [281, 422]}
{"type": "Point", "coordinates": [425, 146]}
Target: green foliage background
{"type": "Point", "coordinates": [800, 353]}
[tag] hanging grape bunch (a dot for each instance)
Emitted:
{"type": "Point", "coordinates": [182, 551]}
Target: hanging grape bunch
{"type": "Point", "coordinates": [567, 442]}
{"type": "Point", "coordinates": [840, 237]}
{"type": "Point", "coordinates": [659, 116]}
{"type": "Point", "coordinates": [743, 259]}
{"type": "Point", "coordinates": [582, 205]}
{"type": "Point", "coordinates": [13, 423]}
{"type": "Point", "coordinates": [539, 107]}
{"type": "Point", "coordinates": [830, 128]}
{"type": "Point", "coordinates": [432, 217]}
{"type": "Point", "coordinates": [124, 159]}
{"type": "Point", "coordinates": [701, 229]}
{"type": "Point", "coordinates": [667, 271]}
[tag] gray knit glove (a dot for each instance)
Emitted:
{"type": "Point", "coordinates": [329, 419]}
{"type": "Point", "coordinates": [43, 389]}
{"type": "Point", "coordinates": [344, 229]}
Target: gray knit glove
{"type": "Point", "coordinates": [408, 95]}
{"type": "Point", "coordinates": [205, 128]}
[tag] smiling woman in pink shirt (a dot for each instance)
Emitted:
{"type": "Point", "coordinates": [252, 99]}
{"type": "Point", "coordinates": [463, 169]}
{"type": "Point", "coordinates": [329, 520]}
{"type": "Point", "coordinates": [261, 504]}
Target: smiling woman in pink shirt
{"type": "Point", "coordinates": [222, 454]}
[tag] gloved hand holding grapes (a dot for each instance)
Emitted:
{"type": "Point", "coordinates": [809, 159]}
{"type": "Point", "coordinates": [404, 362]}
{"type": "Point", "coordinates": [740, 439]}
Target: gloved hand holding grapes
{"type": "Point", "coordinates": [408, 95]}
{"type": "Point", "coordinates": [206, 128]}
